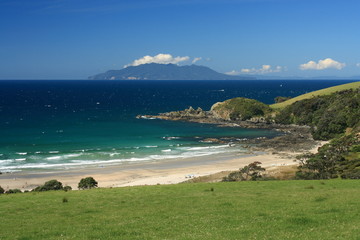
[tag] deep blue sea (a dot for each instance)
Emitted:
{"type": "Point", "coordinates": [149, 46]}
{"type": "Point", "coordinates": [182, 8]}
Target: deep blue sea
{"type": "Point", "coordinates": [72, 124]}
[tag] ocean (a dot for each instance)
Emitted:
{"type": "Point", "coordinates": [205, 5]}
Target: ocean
{"type": "Point", "coordinates": [67, 124]}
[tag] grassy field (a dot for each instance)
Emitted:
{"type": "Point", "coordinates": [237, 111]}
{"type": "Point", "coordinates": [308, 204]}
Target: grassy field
{"type": "Point", "coordinates": [242, 210]}
{"type": "Point", "coordinates": [325, 91]}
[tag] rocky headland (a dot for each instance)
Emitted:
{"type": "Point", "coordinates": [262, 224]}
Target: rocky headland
{"type": "Point", "coordinates": [293, 138]}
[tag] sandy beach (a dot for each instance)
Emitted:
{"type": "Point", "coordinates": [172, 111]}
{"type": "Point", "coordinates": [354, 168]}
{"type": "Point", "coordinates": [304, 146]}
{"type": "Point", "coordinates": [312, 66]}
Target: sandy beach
{"type": "Point", "coordinates": [151, 173]}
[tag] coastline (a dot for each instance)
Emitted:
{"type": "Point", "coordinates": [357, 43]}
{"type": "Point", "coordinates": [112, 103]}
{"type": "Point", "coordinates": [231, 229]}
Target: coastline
{"type": "Point", "coordinates": [161, 172]}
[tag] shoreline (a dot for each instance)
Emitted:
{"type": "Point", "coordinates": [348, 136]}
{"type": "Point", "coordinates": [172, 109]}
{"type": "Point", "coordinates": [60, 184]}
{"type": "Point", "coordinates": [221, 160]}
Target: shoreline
{"type": "Point", "coordinates": [161, 172]}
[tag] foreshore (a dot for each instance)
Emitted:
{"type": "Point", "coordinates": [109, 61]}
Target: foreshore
{"type": "Point", "coordinates": [161, 172]}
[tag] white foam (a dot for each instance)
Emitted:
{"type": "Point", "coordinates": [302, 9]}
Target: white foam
{"type": "Point", "coordinates": [21, 153]}
{"type": "Point", "coordinates": [53, 151]}
{"type": "Point", "coordinates": [171, 138]}
{"type": "Point", "coordinates": [73, 155]}
{"type": "Point", "coordinates": [166, 150]}
{"type": "Point", "coordinates": [151, 146]}
{"type": "Point", "coordinates": [205, 148]}
{"type": "Point", "coordinates": [20, 159]}
{"type": "Point", "coordinates": [114, 154]}
{"type": "Point", "coordinates": [54, 158]}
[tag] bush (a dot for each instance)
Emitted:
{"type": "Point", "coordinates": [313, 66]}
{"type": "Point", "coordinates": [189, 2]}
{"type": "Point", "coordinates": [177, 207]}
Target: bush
{"type": "Point", "coordinates": [1, 190]}
{"type": "Point", "coordinates": [280, 99]}
{"type": "Point", "coordinates": [67, 188]}
{"type": "Point", "coordinates": [10, 191]}
{"type": "Point", "coordinates": [249, 172]}
{"type": "Point", "coordinates": [87, 183]}
{"type": "Point", "coordinates": [49, 185]}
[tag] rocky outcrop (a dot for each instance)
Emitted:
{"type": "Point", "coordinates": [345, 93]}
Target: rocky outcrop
{"type": "Point", "coordinates": [188, 114]}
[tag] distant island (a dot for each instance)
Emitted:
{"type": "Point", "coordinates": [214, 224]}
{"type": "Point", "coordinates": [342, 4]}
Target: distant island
{"type": "Point", "coordinates": [155, 71]}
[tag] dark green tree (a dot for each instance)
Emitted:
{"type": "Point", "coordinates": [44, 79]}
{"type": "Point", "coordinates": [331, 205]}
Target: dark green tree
{"type": "Point", "coordinates": [252, 171]}
{"type": "Point", "coordinates": [87, 183]}
{"type": "Point", "coordinates": [280, 99]}
{"type": "Point", "coordinates": [10, 191]}
{"type": "Point", "coordinates": [249, 172]}
{"type": "Point", "coordinates": [1, 190]}
{"type": "Point", "coordinates": [49, 186]}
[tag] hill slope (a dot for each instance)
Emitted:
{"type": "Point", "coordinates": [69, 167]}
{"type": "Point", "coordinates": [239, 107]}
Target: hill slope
{"type": "Point", "coordinates": [154, 71]}
{"type": "Point", "coordinates": [322, 92]}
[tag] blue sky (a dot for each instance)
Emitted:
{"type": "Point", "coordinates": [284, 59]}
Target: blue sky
{"type": "Point", "coordinates": [73, 39]}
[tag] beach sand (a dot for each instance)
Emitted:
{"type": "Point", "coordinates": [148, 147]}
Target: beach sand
{"type": "Point", "coordinates": [150, 173]}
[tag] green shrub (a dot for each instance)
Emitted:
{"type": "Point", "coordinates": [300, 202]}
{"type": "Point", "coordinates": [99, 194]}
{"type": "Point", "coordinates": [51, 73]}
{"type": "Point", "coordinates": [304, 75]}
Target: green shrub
{"type": "Point", "coordinates": [1, 190]}
{"type": "Point", "coordinates": [67, 188]}
{"type": "Point", "coordinates": [10, 191]}
{"type": "Point", "coordinates": [280, 99]}
{"type": "Point", "coordinates": [49, 186]}
{"type": "Point", "coordinates": [249, 172]}
{"type": "Point", "coordinates": [87, 183]}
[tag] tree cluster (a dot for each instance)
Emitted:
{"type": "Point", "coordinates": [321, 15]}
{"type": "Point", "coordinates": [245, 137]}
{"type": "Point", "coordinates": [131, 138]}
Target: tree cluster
{"type": "Point", "coordinates": [339, 158]}
{"type": "Point", "coordinates": [55, 185]}
{"type": "Point", "coordinates": [329, 116]}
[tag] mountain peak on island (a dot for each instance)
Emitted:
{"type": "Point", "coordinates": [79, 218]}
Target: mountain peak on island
{"type": "Point", "coordinates": [156, 71]}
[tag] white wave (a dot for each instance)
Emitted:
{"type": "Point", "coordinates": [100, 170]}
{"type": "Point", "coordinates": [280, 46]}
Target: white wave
{"type": "Point", "coordinates": [114, 154]}
{"type": "Point", "coordinates": [170, 138]}
{"type": "Point", "coordinates": [145, 117]}
{"type": "Point", "coordinates": [205, 147]}
{"type": "Point", "coordinates": [73, 155]}
{"type": "Point", "coordinates": [53, 152]}
{"type": "Point", "coordinates": [20, 159]}
{"type": "Point", "coordinates": [54, 158]}
{"type": "Point", "coordinates": [21, 153]}
{"type": "Point", "coordinates": [6, 161]}
{"type": "Point", "coordinates": [180, 152]}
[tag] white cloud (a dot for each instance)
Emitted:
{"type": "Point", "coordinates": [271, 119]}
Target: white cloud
{"type": "Point", "coordinates": [263, 70]}
{"type": "Point", "coordinates": [322, 64]}
{"type": "Point", "coordinates": [358, 64]}
{"type": "Point", "coordinates": [233, 73]}
{"type": "Point", "coordinates": [196, 60]}
{"type": "Point", "coordinates": [160, 58]}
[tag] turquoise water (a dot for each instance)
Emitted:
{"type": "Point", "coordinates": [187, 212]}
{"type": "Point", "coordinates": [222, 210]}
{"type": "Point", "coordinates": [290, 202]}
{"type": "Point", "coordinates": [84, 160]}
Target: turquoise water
{"type": "Point", "coordinates": [73, 124]}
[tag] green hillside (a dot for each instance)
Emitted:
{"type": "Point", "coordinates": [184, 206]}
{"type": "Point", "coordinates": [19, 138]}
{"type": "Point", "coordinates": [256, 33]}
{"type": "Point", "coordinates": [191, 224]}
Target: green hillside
{"type": "Point", "coordinates": [322, 92]}
{"type": "Point", "coordinates": [240, 210]}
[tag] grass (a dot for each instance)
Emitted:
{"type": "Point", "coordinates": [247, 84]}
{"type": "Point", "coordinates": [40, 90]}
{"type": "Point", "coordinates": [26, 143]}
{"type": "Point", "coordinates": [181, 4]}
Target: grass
{"type": "Point", "coordinates": [242, 210]}
{"type": "Point", "coordinates": [325, 91]}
